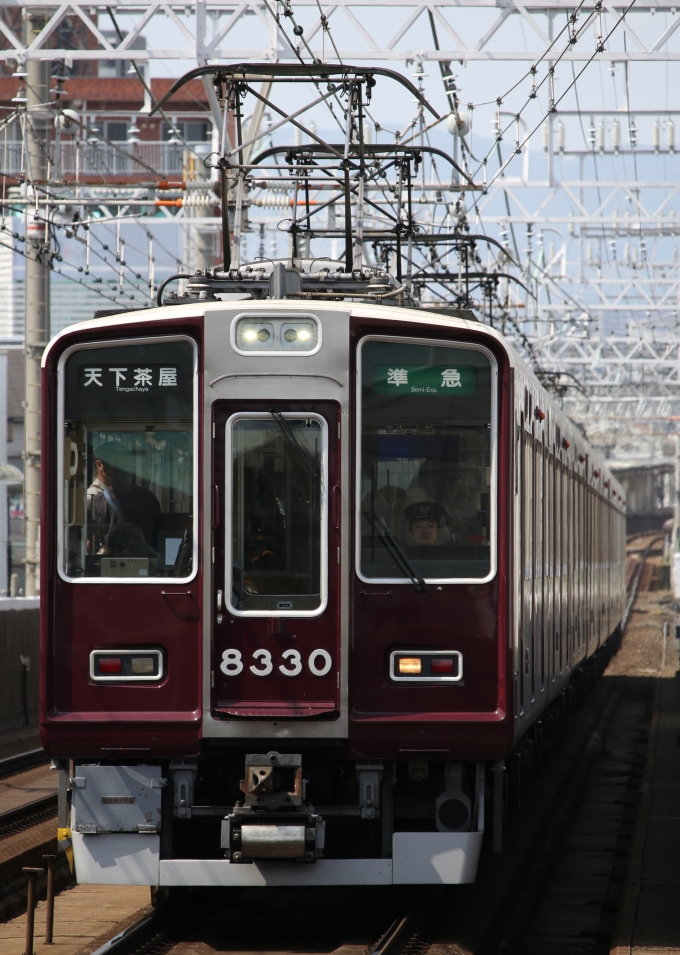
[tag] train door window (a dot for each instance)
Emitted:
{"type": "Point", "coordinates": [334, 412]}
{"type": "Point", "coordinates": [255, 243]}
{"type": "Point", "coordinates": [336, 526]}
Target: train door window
{"type": "Point", "coordinates": [426, 462]}
{"type": "Point", "coordinates": [127, 460]}
{"type": "Point", "coordinates": [276, 513]}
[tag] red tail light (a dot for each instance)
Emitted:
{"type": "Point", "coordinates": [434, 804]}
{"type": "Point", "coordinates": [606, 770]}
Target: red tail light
{"type": "Point", "coordinates": [441, 665]}
{"type": "Point", "coordinates": [110, 665]}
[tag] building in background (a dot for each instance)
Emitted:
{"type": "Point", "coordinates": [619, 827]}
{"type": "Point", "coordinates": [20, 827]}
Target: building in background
{"type": "Point", "coordinates": [118, 143]}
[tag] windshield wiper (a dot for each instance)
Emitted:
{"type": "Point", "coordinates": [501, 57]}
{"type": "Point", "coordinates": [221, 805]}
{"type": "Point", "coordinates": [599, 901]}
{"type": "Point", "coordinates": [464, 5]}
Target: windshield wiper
{"type": "Point", "coordinates": [395, 552]}
{"type": "Point", "coordinates": [305, 461]}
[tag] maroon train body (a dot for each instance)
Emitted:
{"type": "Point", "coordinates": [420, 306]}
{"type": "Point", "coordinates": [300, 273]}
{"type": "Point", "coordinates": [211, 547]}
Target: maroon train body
{"type": "Point", "coordinates": [263, 669]}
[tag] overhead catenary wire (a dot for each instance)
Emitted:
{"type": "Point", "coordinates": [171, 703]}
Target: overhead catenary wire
{"type": "Point", "coordinates": [559, 99]}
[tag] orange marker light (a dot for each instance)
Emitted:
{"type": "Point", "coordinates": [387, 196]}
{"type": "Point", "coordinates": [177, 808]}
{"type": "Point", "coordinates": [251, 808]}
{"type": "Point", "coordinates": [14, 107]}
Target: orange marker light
{"type": "Point", "coordinates": [143, 665]}
{"type": "Point", "coordinates": [410, 665]}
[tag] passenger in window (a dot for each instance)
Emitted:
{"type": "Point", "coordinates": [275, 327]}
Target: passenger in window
{"type": "Point", "coordinates": [114, 498]}
{"type": "Point", "coordinates": [424, 523]}
{"type": "Point", "coordinates": [456, 488]}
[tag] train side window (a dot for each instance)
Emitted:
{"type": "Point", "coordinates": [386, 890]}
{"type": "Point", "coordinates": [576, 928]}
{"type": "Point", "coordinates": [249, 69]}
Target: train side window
{"type": "Point", "coordinates": [127, 461]}
{"type": "Point", "coordinates": [277, 503]}
{"type": "Point", "coordinates": [426, 461]}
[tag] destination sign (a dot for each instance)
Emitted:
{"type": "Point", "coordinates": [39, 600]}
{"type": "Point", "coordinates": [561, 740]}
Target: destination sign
{"type": "Point", "coordinates": [406, 379]}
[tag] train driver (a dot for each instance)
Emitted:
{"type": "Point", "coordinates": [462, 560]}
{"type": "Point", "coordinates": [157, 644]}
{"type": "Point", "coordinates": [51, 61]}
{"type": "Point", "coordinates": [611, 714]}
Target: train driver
{"type": "Point", "coordinates": [114, 498]}
{"type": "Point", "coordinates": [423, 519]}
{"type": "Point", "coordinates": [446, 482]}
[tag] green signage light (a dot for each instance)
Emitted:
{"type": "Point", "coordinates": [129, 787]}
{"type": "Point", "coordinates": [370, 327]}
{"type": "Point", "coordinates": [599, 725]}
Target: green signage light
{"type": "Point", "coordinates": [399, 379]}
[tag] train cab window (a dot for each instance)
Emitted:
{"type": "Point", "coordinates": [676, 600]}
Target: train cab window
{"type": "Point", "coordinates": [426, 462]}
{"type": "Point", "coordinates": [276, 513]}
{"type": "Point", "coordinates": [127, 461]}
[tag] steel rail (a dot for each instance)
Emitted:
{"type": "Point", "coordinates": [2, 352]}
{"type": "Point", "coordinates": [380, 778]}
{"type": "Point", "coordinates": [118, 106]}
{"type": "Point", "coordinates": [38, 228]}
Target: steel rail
{"type": "Point", "coordinates": [636, 582]}
{"type": "Point", "coordinates": [137, 932]}
{"type": "Point", "coordinates": [11, 765]}
{"type": "Point", "coordinates": [30, 814]}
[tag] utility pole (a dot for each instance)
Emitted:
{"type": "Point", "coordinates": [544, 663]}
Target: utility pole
{"type": "Point", "coordinates": [37, 285]}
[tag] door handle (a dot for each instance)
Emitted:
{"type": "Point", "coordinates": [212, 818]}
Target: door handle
{"type": "Point", "coordinates": [216, 507]}
{"type": "Point", "coordinates": [219, 601]}
{"type": "Point", "coordinates": [336, 507]}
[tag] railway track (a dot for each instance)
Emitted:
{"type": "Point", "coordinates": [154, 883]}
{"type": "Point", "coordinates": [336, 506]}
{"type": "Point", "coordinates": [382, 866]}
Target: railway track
{"type": "Point", "coordinates": [24, 838]}
{"type": "Point", "coordinates": [30, 814]}
{"type": "Point", "coordinates": [270, 919]}
{"type": "Point", "coordinates": [12, 765]}
{"type": "Point", "coordinates": [20, 818]}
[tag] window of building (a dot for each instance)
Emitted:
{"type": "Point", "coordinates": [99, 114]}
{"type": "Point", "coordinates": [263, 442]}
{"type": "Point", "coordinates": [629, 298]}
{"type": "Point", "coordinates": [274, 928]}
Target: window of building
{"type": "Point", "coordinates": [116, 131]}
{"type": "Point", "coordinates": [193, 131]}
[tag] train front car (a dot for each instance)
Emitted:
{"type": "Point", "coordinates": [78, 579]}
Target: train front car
{"type": "Point", "coordinates": [301, 588]}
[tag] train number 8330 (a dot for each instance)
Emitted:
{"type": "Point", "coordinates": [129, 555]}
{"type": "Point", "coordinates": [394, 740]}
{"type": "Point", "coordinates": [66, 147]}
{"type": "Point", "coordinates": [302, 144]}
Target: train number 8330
{"type": "Point", "coordinates": [319, 663]}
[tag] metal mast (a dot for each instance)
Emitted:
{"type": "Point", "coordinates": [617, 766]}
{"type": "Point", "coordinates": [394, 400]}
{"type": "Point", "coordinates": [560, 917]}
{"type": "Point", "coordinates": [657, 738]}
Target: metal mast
{"type": "Point", "coordinates": [37, 286]}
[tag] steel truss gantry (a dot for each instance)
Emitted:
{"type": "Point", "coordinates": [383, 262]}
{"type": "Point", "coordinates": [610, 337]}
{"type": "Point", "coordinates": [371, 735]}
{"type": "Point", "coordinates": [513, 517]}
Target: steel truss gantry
{"type": "Point", "coordinates": [209, 31]}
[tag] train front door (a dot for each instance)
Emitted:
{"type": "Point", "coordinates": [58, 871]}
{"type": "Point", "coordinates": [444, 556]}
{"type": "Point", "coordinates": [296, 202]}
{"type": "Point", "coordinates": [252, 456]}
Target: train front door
{"type": "Point", "coordinates": [276, 633]}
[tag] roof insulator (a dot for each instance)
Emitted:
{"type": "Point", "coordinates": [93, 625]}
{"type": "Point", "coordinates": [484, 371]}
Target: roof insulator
{"type": "Point", "coordinates": [539, 414]}
{"type": "Point", "coordinates": [566, 444]}
{"type": "Point", "coordinates": [596, 472]}
{"type": "Point", "coordinates": [582, 458]}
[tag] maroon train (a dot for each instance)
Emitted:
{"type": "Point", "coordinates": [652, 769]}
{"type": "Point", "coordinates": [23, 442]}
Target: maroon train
{"type": "Point", "coordinates": [307, 568]}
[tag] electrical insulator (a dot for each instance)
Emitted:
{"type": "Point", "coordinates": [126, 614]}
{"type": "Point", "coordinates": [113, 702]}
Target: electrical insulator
{"type": "Point", "coordinates": [551, 251]}
{"type": "Point", "coordinates": [367, 133]}
{"type": "Point", "coordinates": [589, 254]}
{"type": "Point", "coordinates": [616, 136]}
{"type": "Point", "coordinates": [297, 137]}
{"type": "Point", "coordinates": [570, 225]}
{"type": "Point", "coordinates": [626, 253]}
{"type": "Point", "coordinates": [672, 221]}
{"type": "Point", "coordinates": [600, 137]}
{"type": "Point", "coordinates": [269, 201]}
{"type": "Point", "coordinates": [670, 136]}
{"type": "Point", "coordinates": [655, 136]}
{"type": "Point", "coordinates": [632, 133]}
{"type": "Point", "coordinates": [546, 137]}
{"type": "Point", "coordinates": [591, 134]}
{"type": "Point", "coordinates": [560, 137]}
{"type": "Point", "coordinates": [198, 201]}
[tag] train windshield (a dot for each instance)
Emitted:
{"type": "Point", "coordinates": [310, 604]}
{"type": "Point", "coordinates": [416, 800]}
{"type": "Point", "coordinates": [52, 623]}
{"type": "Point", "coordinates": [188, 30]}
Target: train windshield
{"type": "Point", "coordinates": [128, 461]}
{"type": "Point", "coordinates": [278, 500]}
{"type": "Point", "coordinates": [427, 459]}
